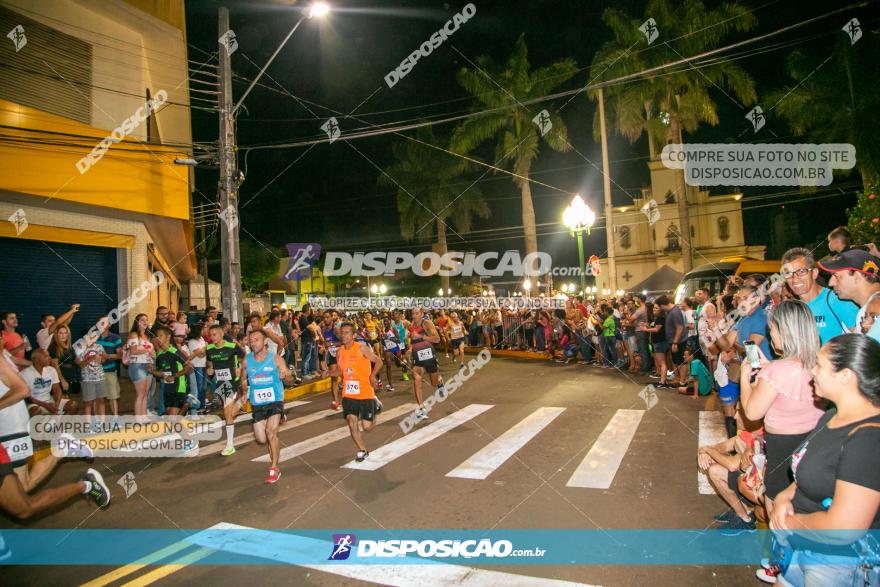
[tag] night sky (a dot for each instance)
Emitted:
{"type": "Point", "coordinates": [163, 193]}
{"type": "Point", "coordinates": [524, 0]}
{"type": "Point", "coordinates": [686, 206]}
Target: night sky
{"type": "Point", "coordinates": [331, 196]}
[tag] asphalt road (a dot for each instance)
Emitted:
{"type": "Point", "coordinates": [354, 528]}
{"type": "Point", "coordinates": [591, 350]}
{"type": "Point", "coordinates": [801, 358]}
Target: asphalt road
{"type": "Point", "coordinates": [654, 486]}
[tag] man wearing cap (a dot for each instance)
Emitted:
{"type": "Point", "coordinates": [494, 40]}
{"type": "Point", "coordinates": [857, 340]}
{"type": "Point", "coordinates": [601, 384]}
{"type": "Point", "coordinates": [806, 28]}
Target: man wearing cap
{"type": "Point", "coordinates": [833, 315]}
{"type": "Point", "coordinates": [855, 275]}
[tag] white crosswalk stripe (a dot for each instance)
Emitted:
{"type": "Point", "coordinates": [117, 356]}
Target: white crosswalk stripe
{"type": "Point", "coordinates": [322, 440]}
{"type": "Point", "coordinates": [712, 431]}
{"type": "Point", "coordinates": [496, 453]}
{"type": "Point", "coordinates": [249, 437]}
{"type": "Point", "coordinates": [384, 455]}
{"type": "Point", "coordinates": [220, 424]}
{"type": "Point", "coordinates": [600, 465]}
{"type": "Point", "coordinates": [290, 549]}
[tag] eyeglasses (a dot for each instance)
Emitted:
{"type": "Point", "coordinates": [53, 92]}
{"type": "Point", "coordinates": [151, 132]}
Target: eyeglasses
{"type": "Point", "coordinates": [797, 273]}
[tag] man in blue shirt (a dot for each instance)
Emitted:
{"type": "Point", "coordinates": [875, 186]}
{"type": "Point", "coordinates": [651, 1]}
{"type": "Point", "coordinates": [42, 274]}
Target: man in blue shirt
{"type": "Point", "coordinates": [112, 345]}
{"type": "Point", "coordinates": [752, 324]}
{"type": "Point", "coordinates": [833, 315]}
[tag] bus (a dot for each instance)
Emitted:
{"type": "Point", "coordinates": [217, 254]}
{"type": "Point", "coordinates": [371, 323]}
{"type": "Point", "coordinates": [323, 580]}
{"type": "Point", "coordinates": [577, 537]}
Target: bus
{"type": "Point", "coordinates": [713, 276]}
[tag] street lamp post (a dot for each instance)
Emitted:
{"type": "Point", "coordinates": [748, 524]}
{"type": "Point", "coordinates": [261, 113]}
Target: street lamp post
{"type": "Point", "coordinates": [230, 176]}
{"type": "Point", "coordinates": [579, 217]}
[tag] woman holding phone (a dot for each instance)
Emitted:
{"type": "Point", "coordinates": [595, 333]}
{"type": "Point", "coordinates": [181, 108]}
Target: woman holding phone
{"type": "Point", "coordinates": [782, 393]}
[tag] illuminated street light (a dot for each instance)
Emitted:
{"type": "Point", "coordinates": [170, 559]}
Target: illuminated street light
{"type": "Point", "coordinates": [375, 289]}
{"type": "Point", "coordinates": [382, 289]}
{"type": "Point", "coordinates": [318, 9]}
{"type": "Point", "coordinates": [440, 292]}
{"type": "Point", "coordinates": [578, 218]}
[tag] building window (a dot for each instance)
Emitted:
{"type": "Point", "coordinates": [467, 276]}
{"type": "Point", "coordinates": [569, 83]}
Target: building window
{"type": "Point", "coordinates": [723, 228]}
{"type": "Point", "coordinates": [52, 72]}
{"type": "Point", "coordinates": [670, 198]}
{"type": "Point", "coordinates": [625, 237]}
{"type": "Point", "coordinates": [693, 231]}
{"type": "Point", "coordinates": [672, 240]}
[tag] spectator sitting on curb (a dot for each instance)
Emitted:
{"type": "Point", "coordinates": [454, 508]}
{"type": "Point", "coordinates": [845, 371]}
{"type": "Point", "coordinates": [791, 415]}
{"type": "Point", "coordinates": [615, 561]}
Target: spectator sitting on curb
{"type": "Point", "coordinates": [701, 379]}
{"type": "Point", "coordinates": [724, 470]}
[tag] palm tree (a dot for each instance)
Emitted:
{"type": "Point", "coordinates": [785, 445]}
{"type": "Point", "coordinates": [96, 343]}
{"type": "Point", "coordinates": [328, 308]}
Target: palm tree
{"type": "Point", "coordinates": [517, 137]}
{"type": "Point", "coordinates": [430, 192]}
{"type": "Point", "coordinates": [670, 103]}
{"type": "Point", "coordinates": [836, 102]}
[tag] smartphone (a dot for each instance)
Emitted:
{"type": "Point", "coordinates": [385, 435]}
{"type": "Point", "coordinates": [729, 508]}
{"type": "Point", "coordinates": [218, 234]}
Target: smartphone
{"type": "Point", "coordinates": [752, 354]}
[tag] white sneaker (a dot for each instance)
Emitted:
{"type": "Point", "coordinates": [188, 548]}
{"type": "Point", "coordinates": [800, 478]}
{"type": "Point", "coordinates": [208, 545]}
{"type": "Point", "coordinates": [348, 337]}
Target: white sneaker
{"type": "Point", "coordinates": [421, 414]}
{"type": "Point", "coordinates": [670, 374]}
{"type": "Point", "coordinates": [379, 405]}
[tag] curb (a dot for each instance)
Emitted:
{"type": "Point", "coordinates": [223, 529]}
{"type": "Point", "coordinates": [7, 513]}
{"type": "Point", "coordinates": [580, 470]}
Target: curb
{"type": "Point", "coordinates": [508, 353]}
{"type": "Point", "coordinates": [290, 394]}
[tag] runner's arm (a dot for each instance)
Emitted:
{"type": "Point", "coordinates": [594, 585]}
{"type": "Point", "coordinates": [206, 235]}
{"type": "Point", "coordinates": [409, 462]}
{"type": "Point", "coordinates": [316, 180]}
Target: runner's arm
{"type": "Point", "coordinates": [243, 388]}
{"type": "Point", "coordinates": [431, 333]}
{"type": "Point", "coordinates": [18, 389]}
{"type": "Point", "coordinates": [283, 372]}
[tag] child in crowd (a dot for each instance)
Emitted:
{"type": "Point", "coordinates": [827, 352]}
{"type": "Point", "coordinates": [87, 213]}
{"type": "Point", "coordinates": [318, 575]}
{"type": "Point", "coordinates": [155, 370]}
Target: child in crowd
{"type": "Point", "coordinates": [727, 378]}
{"type": "Point", "coordinates": [179, 327]}
{"type": "Point", "coordinates": [90, 359]}
{"type": "Point", "coordinates": [700, 378]}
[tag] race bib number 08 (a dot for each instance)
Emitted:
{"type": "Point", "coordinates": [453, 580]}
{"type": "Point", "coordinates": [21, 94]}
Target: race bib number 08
{"type": "Point", "coordinates": [352, 387]}
{"type": "Point", "coordinates": [19, 449]}
{"type": "Point", "coordinates": [425, 354]}
{"type": "Point", "coordinates": [264, 395]}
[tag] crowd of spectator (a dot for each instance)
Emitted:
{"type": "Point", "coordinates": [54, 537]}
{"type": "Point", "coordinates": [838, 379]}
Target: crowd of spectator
{"type": "Point", "coordinates": [794, 359]}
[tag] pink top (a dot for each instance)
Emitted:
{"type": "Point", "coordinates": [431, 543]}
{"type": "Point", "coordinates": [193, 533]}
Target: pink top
{"type": "Point", "coordinates": [793, 411]}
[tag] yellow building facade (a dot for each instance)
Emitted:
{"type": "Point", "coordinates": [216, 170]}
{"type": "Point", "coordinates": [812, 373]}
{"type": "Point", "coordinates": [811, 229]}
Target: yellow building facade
{"type": "Point", "coordinates": [94, 111]}
{"type": "Point", "coordinates": [642, 248]}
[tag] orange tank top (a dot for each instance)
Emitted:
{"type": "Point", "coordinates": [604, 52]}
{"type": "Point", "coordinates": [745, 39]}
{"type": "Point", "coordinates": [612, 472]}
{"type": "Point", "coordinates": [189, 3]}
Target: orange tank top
{"type": "Point", "coordinates": [356, 369]}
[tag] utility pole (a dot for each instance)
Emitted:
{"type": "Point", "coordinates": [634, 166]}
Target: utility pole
{"type": "Point", "coordinates": [609, 212]}
{"type": "Point", "coordinates": [229, 254]}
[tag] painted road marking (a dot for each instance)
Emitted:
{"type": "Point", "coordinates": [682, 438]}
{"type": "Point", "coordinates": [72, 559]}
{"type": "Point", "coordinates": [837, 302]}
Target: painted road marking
{"type": "Point", "coordinates": [291, 549]}
{"type": "Point", "coordinates": [245, 438]}
{"type": "Point", "coordinates": [221, 424]}
{"type": "Point", "coordinates": [384, 455]}
{"type": "Point", "coordinates": [322, 440]}
{"type": "Point", "coordinates": [712, 431]}
{"type": "Point", "coordinates": [172, 567]}
{"type": "Point", "coordinates": [599, 467]}
{"type": "Point", "coordinates": [137, 565]}
{"type": "Point", "coordinates": [496, 453]}
{"type": "Point", "coordinates": [248, 417]}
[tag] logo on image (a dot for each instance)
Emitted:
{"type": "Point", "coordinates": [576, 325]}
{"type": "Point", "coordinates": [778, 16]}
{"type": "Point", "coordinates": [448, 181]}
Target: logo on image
{"type": "Point", "coordinates": [342, 545]}
{"type": "Point", "coordinates": [303, 257]}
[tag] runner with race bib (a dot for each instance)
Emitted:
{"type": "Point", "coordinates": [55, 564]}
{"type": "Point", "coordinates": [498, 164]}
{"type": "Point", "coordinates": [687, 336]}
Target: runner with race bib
{"type": "Point", "coordinates": [457, 332]}
{"type": "Point", "coordinates": [358, 366]}
{"type": "Point", "coordinates": [424, 336]}
{"type": "Point", "coordinates": [224, 361]}
{"type": "Point", "coordinates": [266, 375]}
{"type": "Point", "coordinates": [330, 332]}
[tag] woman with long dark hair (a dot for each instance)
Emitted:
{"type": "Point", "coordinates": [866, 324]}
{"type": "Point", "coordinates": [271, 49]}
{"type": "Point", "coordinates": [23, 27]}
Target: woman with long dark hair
{"type": "Point", "coordinates": [63, 358]}
{"type": "Point", "coordinates": [835, 496]}
{"type": "Point", "coordinates": [141, 355]}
